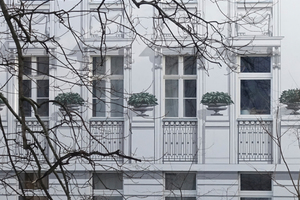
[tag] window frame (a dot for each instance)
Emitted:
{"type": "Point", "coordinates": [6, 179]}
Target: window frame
{"type": "Point", "coordinates": [107, 78]}
{"type": "Point", "coordinates": [267, 194]}
{"type": "Point", "coordinates": [253, 76]}
{"type": "Point", "coordinates": [181, 77]}
{"type": "Point", "coordinates": [33, 78]}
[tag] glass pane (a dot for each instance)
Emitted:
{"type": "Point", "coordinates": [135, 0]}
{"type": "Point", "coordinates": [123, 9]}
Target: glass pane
{"type": "Point", "coordinates": [27, 180]}
{"type": "Point", "coordinates": [99, 88]}
{"type": "Point", "coordinates": [43, 88]}
{"type": "Point", "coordinates": [27, 65]}
{"type": "Point", "coordinates": [108, 198]}
{"type": "Point", "coordinates": [249, 198]}
{"type": "Point", "coordinates": [33, 198]}
{"type": "Point", "coordinates": [117, 65]}
{"type": "Point", "coordinates": [171, 65]}
{"type": "Point", "coordinates": [99, 108]}
{"type": "Point", "coordinates": [171, 108]}
{"type": "Point", "coordinates": [44, 109]}
{"type": "Point", "coordinates": [27, 93]}
{"type": "Point", "coordinates": [117, 88]}
{"type": "Point", "coordinates": [180, 181]}
{"type": "Point", "coordinates": [43, 65]}
{"type": "Point", "coordinates": [258, 182]}
{"type": "Point", "coordinates": [190, 88]}
{"type": "Point", "coordinates": [255, 64]}
{"type": "Point", "coordinates": [171, 88]}
{"type": "Point", "coordinates": [255, 97]}
{"type": "Point", "coordinates": [116, 108]}
{"type": "Point", "coordinates": [109, 181]}
{"type": "Point", "coordinates": [189, 65]}
{"type": "Point", "coordinates": [190, 107]}
{"type": "Point", "coordinates": [180, 198]}
{"type": "Point", "coordinates": [99, 66]}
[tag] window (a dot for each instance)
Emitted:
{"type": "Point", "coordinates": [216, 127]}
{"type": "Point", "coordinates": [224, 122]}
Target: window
{"type": "Point", "coordinates": [108, 181]}
{"type": "Point", "coordinates": [108, 86]}
{"type": "Point", "coordinates": [108, 198]}
{"type": "Point", "coordinates": [256, 186]}
{"type": "Point", "coordinates": [36, 84]}
{"type": "Point", "coordinates": [180, 181]}
{"type": "Point", "coordinates": [27, 180]}
{"type": "Point", "coordinates": [255, 86]}
{"type": "Point", "coordinates": [33, 198]}
{"type": "Point", "coordinates": [180, 86]}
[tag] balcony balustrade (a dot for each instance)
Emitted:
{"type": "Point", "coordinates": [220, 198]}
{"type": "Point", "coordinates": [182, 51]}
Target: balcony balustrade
{"type": "Point", "coordinates": [255, 141]}
{"type": "Point", "coordinates": [180, 141]}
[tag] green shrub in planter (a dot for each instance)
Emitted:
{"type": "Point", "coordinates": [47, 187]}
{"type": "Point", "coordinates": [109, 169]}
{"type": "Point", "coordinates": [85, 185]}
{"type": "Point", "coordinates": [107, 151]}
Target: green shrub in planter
{"type": "Point", "coordinates": [290, 96]}
{"type": "Point", "coordinates": [216, 98]}
{"type": "Point", "coordinates": [68, 98]}
{"type": "Point", "coordinates": [142, 99]}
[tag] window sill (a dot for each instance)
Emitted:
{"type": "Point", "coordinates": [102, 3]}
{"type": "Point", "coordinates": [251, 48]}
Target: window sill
{"type": "Point", "coordinates": [180, 119]}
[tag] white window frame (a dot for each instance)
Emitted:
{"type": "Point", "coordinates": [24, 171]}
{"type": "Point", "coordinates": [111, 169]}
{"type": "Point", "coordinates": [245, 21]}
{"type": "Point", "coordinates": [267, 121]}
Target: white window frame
{"type": "Point", "coordinates": [253, 76]}
{"type": "Point", "coordinates": [181, 78]}
{"type": "Point", "coordinates": [107, 78]}
{"type": "Point", "coordinates": [255, 193]}
{"type": "Point", "coordinates": [33, 78]}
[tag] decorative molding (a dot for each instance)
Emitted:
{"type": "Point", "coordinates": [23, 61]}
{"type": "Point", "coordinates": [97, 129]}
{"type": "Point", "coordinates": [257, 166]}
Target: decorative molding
{"type": "Point", "coordinates": [158, 58]}
{"type": "Point", "coordinates": [128, 57]}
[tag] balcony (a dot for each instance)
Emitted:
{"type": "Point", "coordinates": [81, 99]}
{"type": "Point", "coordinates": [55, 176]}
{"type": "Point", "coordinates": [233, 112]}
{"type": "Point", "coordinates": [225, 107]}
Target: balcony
{"type": "Point", "coordinates": [33, 139]}
{"type": "Point", "coordinates": [106, 136]}
{"type": "Point", "coordinates": [255, 141]}
{"type": "Point", "coordinates": [180, 141]}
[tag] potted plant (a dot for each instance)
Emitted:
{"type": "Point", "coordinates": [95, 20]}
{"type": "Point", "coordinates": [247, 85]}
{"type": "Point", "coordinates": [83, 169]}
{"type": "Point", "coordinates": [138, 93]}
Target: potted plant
{"type": "Point", "coordinates": [216, 101]}
{"type": "Point", "coordinates": [142, 102]}
{"type": "Point", "coordinates": [68, 102]}
{"type": "Point", "coordinates": [291, 98]}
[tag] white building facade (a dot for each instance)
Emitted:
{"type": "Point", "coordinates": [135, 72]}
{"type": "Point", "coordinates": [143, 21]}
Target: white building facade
{"type": "Point", "coordinates": [249, 152]}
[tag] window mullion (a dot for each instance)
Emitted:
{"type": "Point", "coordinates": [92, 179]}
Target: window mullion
{"type": "Point", "coordinates": [181, 89]}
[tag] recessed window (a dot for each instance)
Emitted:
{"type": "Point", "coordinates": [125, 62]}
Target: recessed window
{"type": "Point", "coordinates": [255, 64]}
{"type": "Point", "coordinates": [108, 181]}
{"type": "Point", "coordinates": [256, 182]}
{"type": "Point", "coordinates": [180, 86]}
{"type": "Point", "coordinates": [30, 181]}
{"type": "Point", "coordinates": [180, 181]}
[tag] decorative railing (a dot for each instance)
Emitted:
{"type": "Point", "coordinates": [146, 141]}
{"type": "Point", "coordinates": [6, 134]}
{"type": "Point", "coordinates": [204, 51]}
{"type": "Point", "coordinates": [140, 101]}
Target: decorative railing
{"type": "Point", "coordinates": [254, 140]}
{"type": "Point", "coordinates": [106, 137]}
{"type": "Point", "coordinates": [180, 141]}
{"type": "Point", "coordinates": [34, 139]}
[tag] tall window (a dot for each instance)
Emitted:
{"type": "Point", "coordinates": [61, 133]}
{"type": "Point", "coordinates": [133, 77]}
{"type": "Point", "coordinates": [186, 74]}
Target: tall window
{"type": "Point", "coordinates": [108, 86]}
{"type": "Point", "coordinates": [255, 86]}
{"type": "Point", "coordinates": [180, 86]}
{"type": "Point", "coordinates": [36, 84]}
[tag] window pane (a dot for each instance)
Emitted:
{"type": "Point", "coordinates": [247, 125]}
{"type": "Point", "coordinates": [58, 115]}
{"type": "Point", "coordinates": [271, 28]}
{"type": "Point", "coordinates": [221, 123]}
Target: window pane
{"type": "Point", "coordinates": [117, 65]}
{"type": "Point", "coordinates": [190, 88]}
{"type": "Point", "coordinates": [27, 93]}
{"type": "Point", "coordinates": [43, 88]}
{"type": "Point", "coordinates": [189, 65]}
{"type": "Point", "coordinates": [255, 96]}
{"type": "Point", "coordinates": [180, 181]}
{"type": "Point", "coordinates": [255, 64]}
{"type": "Point", "coordinates": [190, 107]}
{"type": "Point", "coordinates": [27, 65]}
{"type": "Point", "coordinates": [171, 65]}
{"type": "Point", "coordinates": [99, 108]}
{"type": "Point", "coordinates": [261, 182]}
{"type": "Point", "coordinates": [249, 198]}
{"type": "Point", "coordinates": [43, 65]}
{"type": "Point", "coordinates": [116, 89]}
{"type": "Point", "coordinates": [171, 108]}
{"type": "Point", "coordinates": [33, 198]}
{"type": "Point", "coordinates": [116, 108]}
{"type": "Point", "coordinates": [99, 88]}
{"type": "Point", "coordinates": [44, 109]}
{"type": "Point", "coordinates": [99, 66]}
{"type": "Point", "coordinates": [171, 88]}
{"type": "Point", "coordinates": [109, 181]}
{"type": "Point", "coordinates": [27, 180]}
{"type": "Point", "coordinates": [180, 198]}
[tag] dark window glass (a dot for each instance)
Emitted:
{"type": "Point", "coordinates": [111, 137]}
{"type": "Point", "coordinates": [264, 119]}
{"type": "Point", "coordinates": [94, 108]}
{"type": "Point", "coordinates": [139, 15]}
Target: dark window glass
{"type": "Point", "coordinates": [99, 98]}
{"type": "Point", "coordinates": [108, 198]}
{"type": "Point", "coordinates": [257, 182]}
{"type": "Point", "coordinates": [27, 180]}
{"type": "Point", "coordinates": [189, 65]}
{"type": "Point", "coordinates": [42, 65]}
{"type": "Point", "coordinates": [171, 108]}
{"type": "Point", "coordinates": [180, 181]}
{"type": "Point", "coordinates": [117, 65]}
{"type": "Point", "coordinates": [190, 108]}
{"type": "Point", "coordinates": [249, 198]}
{"type": "Point", "coordinates": [171, 65]}
{"type": "Point", "coordinates": [189, 88]}
{"type": "Point", "coordinates": [109, 181]}
{"type": "Point", "coordinates": [180, 198]}
{"type": "Point", "coordinates": [43, 88]}
{"type": "Point", "coordinates": [27, 65]}
{"type": "Point", "coordinates": [255, 96]}
{"type": "Point", "coordinates": [255, 64]}
{"type": "Point", "coordinates": [33, 198]}
{"type": "Point", "coordinates": [99, 66]}
{"type": "Point", "coordinates": [27, 93]}
{"type": "Point", "coordinates": [171, 88]}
